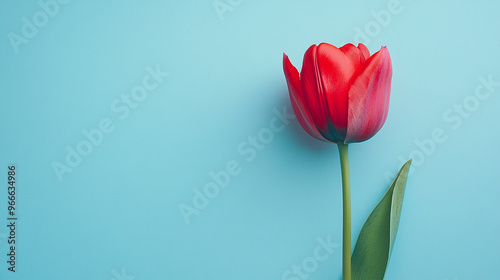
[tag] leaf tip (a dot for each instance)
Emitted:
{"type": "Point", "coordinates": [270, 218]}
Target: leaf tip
{"type": "Point", "coordinates": [406, 166]}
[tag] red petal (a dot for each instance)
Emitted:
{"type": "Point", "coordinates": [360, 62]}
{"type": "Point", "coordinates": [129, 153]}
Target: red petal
{"type": "Point", "coordinates": [297, 99]}
{"type": "Point", "coordinates": [355, 54]}
{"type": "Point", "coordinates": [336, 70]}
{"type": "Point", "coordinates": [313, 91]}
{"type": "Point", "coordinates": [364, 50]}
{"type": "Point", "coordinates": [369, 98]}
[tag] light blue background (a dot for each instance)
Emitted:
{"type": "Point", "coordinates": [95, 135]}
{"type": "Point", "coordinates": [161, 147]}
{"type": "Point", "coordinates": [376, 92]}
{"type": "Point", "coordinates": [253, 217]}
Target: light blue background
{"type": "Point", "coordinates": [118, 211]}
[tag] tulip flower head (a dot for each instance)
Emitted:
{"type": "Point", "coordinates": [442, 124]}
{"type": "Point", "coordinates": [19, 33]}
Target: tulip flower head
{"type": "Point", "coordinates": [342, 94]}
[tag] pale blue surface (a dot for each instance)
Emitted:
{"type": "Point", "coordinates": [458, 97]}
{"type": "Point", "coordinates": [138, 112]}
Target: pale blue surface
{"type": "Point", "coordinates": [119, 209]}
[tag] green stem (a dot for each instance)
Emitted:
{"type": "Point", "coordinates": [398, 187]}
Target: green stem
{"type": "Point", "coordinates": [346, 203]}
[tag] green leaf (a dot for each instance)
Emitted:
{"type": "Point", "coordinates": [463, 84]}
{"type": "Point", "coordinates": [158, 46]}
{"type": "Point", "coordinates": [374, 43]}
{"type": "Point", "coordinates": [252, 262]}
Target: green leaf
{"type": "Point", "coordinates": [376, 239]}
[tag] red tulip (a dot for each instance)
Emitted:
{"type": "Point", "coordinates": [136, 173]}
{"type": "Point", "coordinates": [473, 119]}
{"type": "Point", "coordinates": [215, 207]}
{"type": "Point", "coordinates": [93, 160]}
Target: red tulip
{"type": "Point", "coordinates": [342, 94]}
